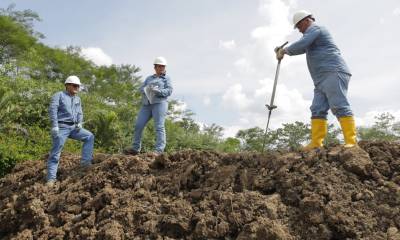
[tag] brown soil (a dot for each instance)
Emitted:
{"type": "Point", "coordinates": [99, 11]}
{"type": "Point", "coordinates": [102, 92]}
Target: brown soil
{"type": "Point", "coordinates": [333, 193]}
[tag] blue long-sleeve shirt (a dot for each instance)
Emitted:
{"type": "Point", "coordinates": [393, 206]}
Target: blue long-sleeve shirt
{"type": "Point", "coordinates": [164, 85]}
{"type": "Point", "coordinates": [65, 108]}
{"type": "Point", "coordinates": [321, 52]}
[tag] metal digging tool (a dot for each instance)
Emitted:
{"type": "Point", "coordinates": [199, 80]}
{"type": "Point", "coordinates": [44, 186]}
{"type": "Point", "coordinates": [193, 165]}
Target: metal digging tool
{"type": "Point", "coordinates": [271, 105]}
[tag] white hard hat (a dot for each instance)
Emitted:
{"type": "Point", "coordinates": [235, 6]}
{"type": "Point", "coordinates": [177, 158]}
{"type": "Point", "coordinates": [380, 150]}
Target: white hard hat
{"type": "Point", "coordinates": [160, 61]}
{"type": "Point", "coordinates": [73, 80]}
{"type": "Point", "coordinates": [300, 15]}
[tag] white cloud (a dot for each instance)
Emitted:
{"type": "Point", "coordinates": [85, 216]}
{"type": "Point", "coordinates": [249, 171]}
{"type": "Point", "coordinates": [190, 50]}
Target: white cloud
{"type": "Point", "coordinates": [97, 55]}
{"type": "Point", "coordinates": [230, 131]}
{"type": "Point", "coordinates": [251, 106]}
{"type": "Point", "coordinates": [278, 28]}
{"type": "Point", "coordinates": [234, 97]}
{"type": "Point", "coordinates": [244, 66]}
{"type": "Point", "coordinates": [257, 61]}
{"type": "Point", "coordinates": [396, 11]}
{"type": "Point", "coordinates": [369, 118]}
{"type": "Point", "coordinates": [229, 45]}
{"type": "Point", "coordinates": [207, 100]}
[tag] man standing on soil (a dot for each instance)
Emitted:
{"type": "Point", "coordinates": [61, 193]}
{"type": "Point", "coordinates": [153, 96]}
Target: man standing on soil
{"type": "Point", "coordinates": [155, 90]}
{"type": "Point", "coordinates": [331, 77]}
{"type": "Point", "coordinates": [66, 118]}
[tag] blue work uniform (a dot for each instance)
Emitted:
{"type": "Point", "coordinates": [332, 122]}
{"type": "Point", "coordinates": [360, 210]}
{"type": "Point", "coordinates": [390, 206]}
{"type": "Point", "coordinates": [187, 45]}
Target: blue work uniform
{"type": "Point", "coordinates": [156, 110]}
{"type": "Point", "coordinates": [328, 70]}
{"type": "Point", "coordinates": [65, 113]}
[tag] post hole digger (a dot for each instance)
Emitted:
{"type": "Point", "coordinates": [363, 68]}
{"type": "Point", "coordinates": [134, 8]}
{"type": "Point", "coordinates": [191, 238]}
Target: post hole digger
{"type": "Point", "coordinates": [271, 105]}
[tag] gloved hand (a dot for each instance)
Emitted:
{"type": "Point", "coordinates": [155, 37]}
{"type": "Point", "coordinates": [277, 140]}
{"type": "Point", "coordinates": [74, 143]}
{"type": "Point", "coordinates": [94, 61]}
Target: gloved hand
{"type": "Point", "coordinates": [55, 131]}
{"type": "Point", "coordinates": [79, 125]}
{"type": "Point", "coordinates": [280, 53]}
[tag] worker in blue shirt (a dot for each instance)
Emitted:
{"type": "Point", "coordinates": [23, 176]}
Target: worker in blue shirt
{"type": "Point", "coordinates": [330, 75]}
{"type": "Point", "coordinates": [155, 91]}
{"type": "Point", "coordinates": [66, 118]}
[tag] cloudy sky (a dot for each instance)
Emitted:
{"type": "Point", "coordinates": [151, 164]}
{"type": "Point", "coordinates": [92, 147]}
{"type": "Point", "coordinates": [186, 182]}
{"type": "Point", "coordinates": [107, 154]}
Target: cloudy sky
{"type": "Point", "coordinates": [220, 52]}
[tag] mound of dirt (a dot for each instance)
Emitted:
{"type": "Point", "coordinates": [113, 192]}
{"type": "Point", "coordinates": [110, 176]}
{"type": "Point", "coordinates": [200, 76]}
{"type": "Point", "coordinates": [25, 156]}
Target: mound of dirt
{"type": "Point", "coordinates": [334, 193]}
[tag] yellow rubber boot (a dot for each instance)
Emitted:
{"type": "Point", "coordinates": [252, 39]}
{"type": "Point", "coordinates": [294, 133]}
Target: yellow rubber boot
{"type": "Point", "coordinates": [349, 131]}
{"type": "Point", "coordinates": [319, 129]}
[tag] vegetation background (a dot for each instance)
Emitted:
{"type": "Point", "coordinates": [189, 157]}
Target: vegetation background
{"type": "Point", "coordinates": [31, 72]}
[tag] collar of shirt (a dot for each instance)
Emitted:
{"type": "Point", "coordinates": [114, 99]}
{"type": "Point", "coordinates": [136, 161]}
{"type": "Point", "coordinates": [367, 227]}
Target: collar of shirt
{"type": "Point", "coordinates": [69, 95]}
{"type": "Point", "coordinates": [312, 25]}
{"type": "Point", "coordinates": [161, 76]}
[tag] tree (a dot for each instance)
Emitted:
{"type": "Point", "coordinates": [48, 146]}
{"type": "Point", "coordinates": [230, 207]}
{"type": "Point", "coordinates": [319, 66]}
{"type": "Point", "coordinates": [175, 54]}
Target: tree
{"type": "Point", "coordinates": [229, 145]}
{"type": "Point", "coordinates": [251, 139]}
{"type": "Point", "coordinates": [292, 136]}
{"type": "Point", "coordinates": [384, 128]}
{"type": "Point", "coordinates": [106, 129]}
{"type": "Point", "coordinates": [15, 40]}
{"type": "Point", "coordinates": [5, 105]}
{"type": "Point", "coordinates": [214, 131]}
{"type": "Point", "coordinates": [26, 18]}
{"type": "Point", "coordinates": [332, 136]}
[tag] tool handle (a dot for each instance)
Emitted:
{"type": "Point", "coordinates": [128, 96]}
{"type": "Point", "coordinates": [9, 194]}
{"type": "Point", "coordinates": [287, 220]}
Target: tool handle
{"type": "Point", "coordinates": [284, 44]}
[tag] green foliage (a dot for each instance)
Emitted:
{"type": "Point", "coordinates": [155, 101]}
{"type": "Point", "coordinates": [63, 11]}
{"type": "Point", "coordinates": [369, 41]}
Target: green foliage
{"type": "Point", "coordinates": [252, 138]}
{"type": "Point", "coordinates": [20, 144]}
{"type": "Point", "coordinates": [292, 136]}
{"type": "Point", "coordinates": [31, 72]}
{"type": "Point", "coordinates": [384, 128]}
{"type": "Point", "coordinates": [14, 39]}
{"type": "Point", "coordinates": [26, 18]}
{"type": "Point", "coordinates": [229, 145]}
{"type": "Point", "coordinates": [332, 136]}
{"type": "Point", "coordinates": [108, 134]}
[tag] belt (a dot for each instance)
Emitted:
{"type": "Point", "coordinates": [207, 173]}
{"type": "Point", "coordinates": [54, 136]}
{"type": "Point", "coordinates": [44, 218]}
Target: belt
{"type": "Point", "coordinates": [66, 123]}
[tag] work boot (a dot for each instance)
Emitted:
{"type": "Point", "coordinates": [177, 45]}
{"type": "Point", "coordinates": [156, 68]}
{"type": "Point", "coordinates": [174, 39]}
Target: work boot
{"type": "Point", "coordinates": [50, 183]}
{"type": "Point", "coordinates": [155, 154]}
{"type": "Point", "coordinates": [130, 151]}
{"type": "Point", "coordinates": [319, 129]}
{"type": "Point", "coordinates": [85, 168]}
{"type": "Point", "coordinates": [349, 131]}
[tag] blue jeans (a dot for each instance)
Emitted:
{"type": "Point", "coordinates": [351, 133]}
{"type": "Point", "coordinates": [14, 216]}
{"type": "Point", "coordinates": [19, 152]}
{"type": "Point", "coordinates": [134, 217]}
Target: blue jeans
{"type": "Point", "coordinates": [158, 111]}
{"type": "Point", "coordinates": [66, 131]}
{"type": "Point", "coordinates": [330, 93]}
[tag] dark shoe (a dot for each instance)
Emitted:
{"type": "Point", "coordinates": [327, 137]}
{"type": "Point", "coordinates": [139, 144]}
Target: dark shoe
{"type": "Point", "coordinates": [130, 151]}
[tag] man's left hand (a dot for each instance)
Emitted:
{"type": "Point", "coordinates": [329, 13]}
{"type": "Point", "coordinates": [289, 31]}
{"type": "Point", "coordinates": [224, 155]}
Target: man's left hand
{"type": "Point", "coordinates": [280, 53]}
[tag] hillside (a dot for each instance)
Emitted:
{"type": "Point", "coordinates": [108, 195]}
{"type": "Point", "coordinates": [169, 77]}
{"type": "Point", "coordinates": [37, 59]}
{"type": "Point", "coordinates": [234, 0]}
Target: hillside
{"type": "Point", "coordinates": [335, 193]}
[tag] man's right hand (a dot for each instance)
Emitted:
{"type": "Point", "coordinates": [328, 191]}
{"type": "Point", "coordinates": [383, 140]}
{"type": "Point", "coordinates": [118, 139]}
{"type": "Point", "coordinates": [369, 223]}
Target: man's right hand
{"type": "Point", "coordinates": [55, 131]}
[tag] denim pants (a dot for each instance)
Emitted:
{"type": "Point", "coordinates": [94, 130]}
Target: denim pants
{"type": "Point", "coordinates": [330, 93]}
{"type": "Point", "coordinates": [66, 131]}
{"type": "Point", "coordinates": [158, 112]}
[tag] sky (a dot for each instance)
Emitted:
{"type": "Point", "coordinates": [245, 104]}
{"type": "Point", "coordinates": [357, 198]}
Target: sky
{"type": "Point", "coordinates": [220, 52]}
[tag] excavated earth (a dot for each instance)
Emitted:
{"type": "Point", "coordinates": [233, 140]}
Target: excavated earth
{"type": "Point", "coordinates": [333, 193]}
